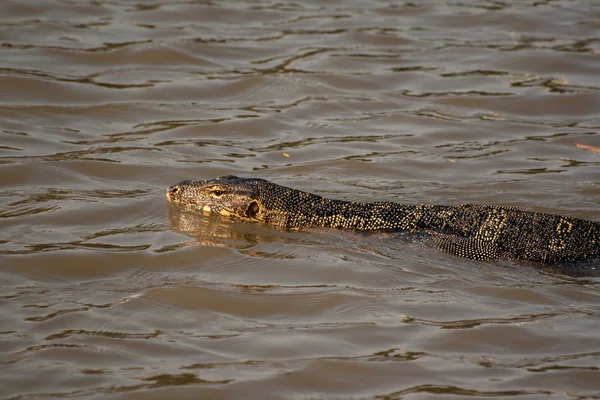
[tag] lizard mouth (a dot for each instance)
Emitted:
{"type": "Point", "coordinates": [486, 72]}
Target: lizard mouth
{"type": "Point", "coordinates": [174, 196]}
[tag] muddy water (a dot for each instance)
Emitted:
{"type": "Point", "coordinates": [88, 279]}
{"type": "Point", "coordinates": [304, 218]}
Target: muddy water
{"type": "Point", "coordinates": [106, 292]}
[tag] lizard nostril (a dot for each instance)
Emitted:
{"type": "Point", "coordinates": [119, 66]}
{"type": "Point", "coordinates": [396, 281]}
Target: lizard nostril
{"type": "Point", "coordinates": [173, 191]}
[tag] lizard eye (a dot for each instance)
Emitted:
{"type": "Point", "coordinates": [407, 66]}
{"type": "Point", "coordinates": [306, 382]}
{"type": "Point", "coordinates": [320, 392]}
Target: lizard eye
{"type": "Point", "coordinates": [217, 192]}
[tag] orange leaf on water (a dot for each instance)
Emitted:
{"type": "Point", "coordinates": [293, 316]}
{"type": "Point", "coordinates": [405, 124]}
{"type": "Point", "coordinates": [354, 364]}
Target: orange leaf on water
{"type": "Point", "coordinates": [586, 147]}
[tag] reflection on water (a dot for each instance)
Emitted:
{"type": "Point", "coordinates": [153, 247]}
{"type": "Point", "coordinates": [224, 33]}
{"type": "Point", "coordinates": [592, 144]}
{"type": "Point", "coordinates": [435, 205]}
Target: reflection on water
{"type": "Point", "coordinates": [105, 293]}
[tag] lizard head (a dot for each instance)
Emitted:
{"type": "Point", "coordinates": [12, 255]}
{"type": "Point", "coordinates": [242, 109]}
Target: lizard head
{"type": "Point", "coordinates": [226, 195]}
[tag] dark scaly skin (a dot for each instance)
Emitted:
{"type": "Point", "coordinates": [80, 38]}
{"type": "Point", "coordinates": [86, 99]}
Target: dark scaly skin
{"type": "Point", "coordinates": [478, 232]}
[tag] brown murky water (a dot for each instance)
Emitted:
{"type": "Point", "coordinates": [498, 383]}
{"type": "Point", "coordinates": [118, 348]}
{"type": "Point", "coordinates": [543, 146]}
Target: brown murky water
{"type": "Point", "coordinates": [107, 293]}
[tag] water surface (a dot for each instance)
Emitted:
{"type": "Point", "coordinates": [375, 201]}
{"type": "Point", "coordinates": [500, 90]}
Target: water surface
{"type": "Point", "coordinates": [108, 293]}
